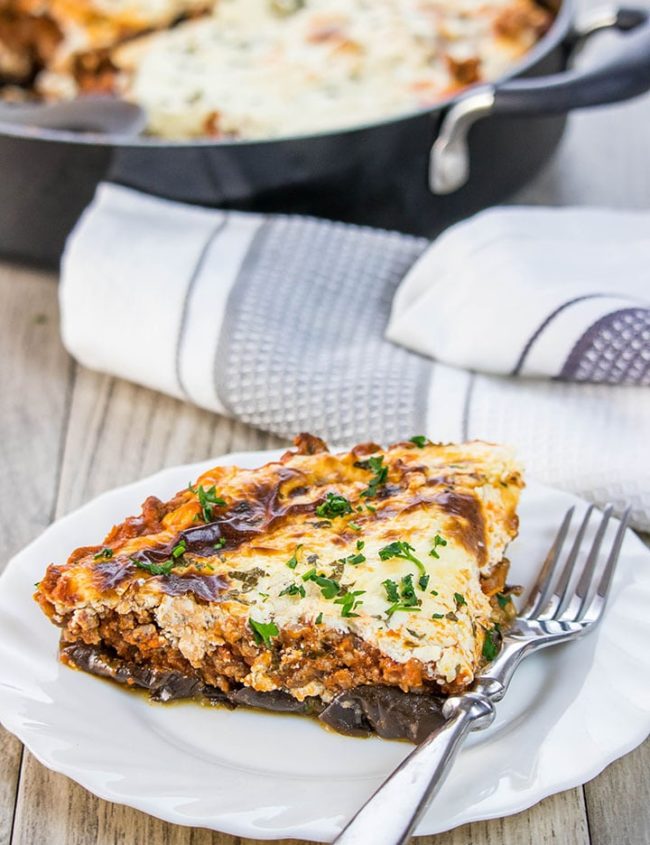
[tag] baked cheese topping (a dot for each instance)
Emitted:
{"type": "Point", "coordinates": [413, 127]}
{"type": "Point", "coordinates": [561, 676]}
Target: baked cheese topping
{"type": "Point", "coordinates": [269, 68]}
{"type": "Point", "coordinates": [394, 552]}
{"type": "Point", "coordinates": [64, 43]}
{"type": "Point", "coordinates": [88, 24]}
{"type": "Point", "coordinates": [251, 72]}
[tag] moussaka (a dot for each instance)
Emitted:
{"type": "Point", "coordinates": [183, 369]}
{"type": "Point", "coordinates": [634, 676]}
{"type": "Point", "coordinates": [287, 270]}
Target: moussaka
{"type": "Point", "coordinates": [360, 587]}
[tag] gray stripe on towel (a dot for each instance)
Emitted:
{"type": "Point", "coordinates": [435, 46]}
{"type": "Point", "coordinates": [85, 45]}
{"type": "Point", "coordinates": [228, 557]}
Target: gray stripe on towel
{"type": "Point", "coordinates": [471, 381]}
{"type": "Point", "coordinates": [196, 272]}
{"type": "Point", "coordinates": [302, 346]}
{"type": "Point", "coordinates": [614, 350]}
{"type": "Point", "coordinates": [545, 322]}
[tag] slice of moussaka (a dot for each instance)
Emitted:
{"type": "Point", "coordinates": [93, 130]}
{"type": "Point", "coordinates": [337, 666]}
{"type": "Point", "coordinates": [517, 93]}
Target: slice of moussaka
{"type": "Point", "coordinates": [359, 587]}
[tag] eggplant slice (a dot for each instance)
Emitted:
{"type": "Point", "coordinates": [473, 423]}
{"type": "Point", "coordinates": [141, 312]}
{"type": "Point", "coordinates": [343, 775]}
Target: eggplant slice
{"type": "Point", "coordinates": [363, 711]}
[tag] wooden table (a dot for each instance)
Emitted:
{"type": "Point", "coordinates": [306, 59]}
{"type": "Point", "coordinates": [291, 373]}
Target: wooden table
{"type": "Point", "coordinates": [66, 434]}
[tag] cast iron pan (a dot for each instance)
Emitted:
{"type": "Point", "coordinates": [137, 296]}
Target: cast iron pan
{"type": "Point", "coordinates": [417, 173]}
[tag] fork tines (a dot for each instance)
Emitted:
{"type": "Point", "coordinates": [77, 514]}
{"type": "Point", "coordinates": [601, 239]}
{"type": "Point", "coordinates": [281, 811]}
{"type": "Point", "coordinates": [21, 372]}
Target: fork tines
{"type": "Point", "coordinates": [571, 587]}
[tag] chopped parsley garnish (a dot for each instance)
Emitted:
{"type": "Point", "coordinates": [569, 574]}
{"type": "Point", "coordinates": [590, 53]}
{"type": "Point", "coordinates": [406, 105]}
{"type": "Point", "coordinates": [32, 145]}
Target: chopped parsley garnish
{"type": "Point", "coordinates": [437, 615]}
{"type": "Point", "coordinates": [263, 631]}
{"type": "Point", "coordinates": [349, 602]}
{"type": "Point", "coordinates": [155, 568]}
{"type": "Point", "coordinates": [434, 592]}
{"type": "Point", "coordinates": [104, 554]}
{"type": "Point", "coordinates": [406, 608]}
{"type": "Point", "coordinates": [459, 599]}
{"type": "Point", "coordinates": [372, 508]}
{"type": "Point", "coordinates": [400, 549]}
{"type": "Point", "coordinates": [293, 560]}
{"type": "Point", "coordinates": [353, 560]}
{"type": "Point", "coordinates": [333, 506]}
{"type": "Point", "coordinates": [437, 541]}
{"type": "Point", "coordinates": [415, 634]}
{"type": "Point", "coordinates": [492, 643]}
{"type": "Point", "coordinates": [294, 590]}
{"type": "Point", "coordinates": [419, 440]}
{"type": "Point", "coordinates": [221, 542]}
{"type": "Point", "coordinates": [265, 596]}
{"type": "Point", "coordinates": [360, 545]}
{"type": "Point", "coordinates": [328, 586]}
{"type": "Point", "coordinates": [503, 600]}
{"type": "Point", "coordinates": [407, 591]}
{"type": "Point", "coordinates": [405, 551]}
{"type": "Point", "coordinates": [379, 471]}
{"type": "Point", "coordinates": [391, 590]}
{"type": "Point", "coordinates": [179, 549]}
{"type": "Point", "coordinates": [355, 526]}
{"type": "Point", "coordinates": [319, 618]}
{"type": "Point", "coordinates": [208, 500]}
{"type": "Point", "coordinates": [406, 600]}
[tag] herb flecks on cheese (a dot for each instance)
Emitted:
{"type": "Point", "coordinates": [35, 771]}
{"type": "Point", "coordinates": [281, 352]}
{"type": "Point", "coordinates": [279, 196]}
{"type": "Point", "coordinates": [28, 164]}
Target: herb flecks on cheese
{"type": "Point", "coordinates": [265, 591]}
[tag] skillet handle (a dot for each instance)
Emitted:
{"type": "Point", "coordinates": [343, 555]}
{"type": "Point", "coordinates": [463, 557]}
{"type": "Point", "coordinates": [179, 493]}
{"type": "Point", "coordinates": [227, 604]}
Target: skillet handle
{"type": "Point", "coordinates": [624, 74]}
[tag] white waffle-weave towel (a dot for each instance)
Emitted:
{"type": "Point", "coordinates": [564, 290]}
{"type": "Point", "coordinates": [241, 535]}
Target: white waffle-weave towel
{"type": "Point", "coordinates": [541, 292]}
{"type": "Point", "coordinates": [280, 322]}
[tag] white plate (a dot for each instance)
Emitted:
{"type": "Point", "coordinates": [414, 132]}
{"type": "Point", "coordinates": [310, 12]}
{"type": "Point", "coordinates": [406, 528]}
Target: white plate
{"type": "Point", "coordinates": [570, 711]}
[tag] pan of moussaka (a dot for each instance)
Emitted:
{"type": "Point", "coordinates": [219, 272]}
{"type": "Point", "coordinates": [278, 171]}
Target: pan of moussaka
{"type": "Point", "coordinates": [406, 114]}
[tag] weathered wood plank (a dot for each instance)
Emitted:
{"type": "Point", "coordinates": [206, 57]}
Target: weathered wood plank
{"type": "Point", "coordinates": [10, 759]}
{"type": "Point", "coordinates": [559, 818]}
{"type": "Point", "coordinates": [35, 379]}
{"type": "Point", "coordinates": [118, 432]}
{"type": "Point", "coordinates": [618, 801]}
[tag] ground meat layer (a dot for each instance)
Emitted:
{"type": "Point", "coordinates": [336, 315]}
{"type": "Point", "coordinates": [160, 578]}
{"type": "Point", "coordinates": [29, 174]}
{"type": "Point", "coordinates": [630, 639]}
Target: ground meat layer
{"type": "Point", "coordinates": [302, 660]}
{"type": "Point", "coordinates": [386, 711]}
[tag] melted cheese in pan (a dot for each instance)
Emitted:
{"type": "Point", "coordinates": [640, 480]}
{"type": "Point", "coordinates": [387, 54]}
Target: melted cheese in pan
{"type": "Point", "coordinates": [89, 24]}
{"type": "Point", "coordinates": [77, 34]}
{"type": "Point", "coordinates": [458, 501]}
{"type": "Point", "coordinates": [249, 72]}
{"type": "Point", "coordinates": [268, 68]}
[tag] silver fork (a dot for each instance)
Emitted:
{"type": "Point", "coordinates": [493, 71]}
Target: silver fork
{"type": "Point", "coordinates": [556, 611]}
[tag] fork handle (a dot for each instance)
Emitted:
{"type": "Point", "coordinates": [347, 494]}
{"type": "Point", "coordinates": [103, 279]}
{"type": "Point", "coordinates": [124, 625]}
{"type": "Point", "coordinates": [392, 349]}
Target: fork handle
{"type": "Point", "coordinates": [390, 815]}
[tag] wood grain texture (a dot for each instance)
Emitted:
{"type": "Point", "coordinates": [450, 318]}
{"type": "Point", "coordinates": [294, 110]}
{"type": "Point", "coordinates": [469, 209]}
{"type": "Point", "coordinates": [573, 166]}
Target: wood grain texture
{"type": "Point", "coordinates": [34, 396]}
{"type": "Point", "coordinates": [618, 801]}
{"type": "Point", "coordinates": [558, 819]}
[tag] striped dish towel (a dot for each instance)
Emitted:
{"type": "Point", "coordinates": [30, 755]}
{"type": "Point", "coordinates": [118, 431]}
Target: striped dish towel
{"type": "Point", "coordinates": [559, 293]}
{"type": "Point", "coordinates": [280, 321]}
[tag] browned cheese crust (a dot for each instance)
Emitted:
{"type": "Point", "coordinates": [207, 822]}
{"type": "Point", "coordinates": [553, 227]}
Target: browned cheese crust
{"type": "Point", "coordinates": [182, 586]}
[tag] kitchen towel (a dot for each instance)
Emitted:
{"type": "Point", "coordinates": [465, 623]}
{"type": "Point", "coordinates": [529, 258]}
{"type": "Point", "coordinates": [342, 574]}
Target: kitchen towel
{"type": "Point", "coordinates": [540, 292]}
{"type": "Point", "coordinates": [280, 321]}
